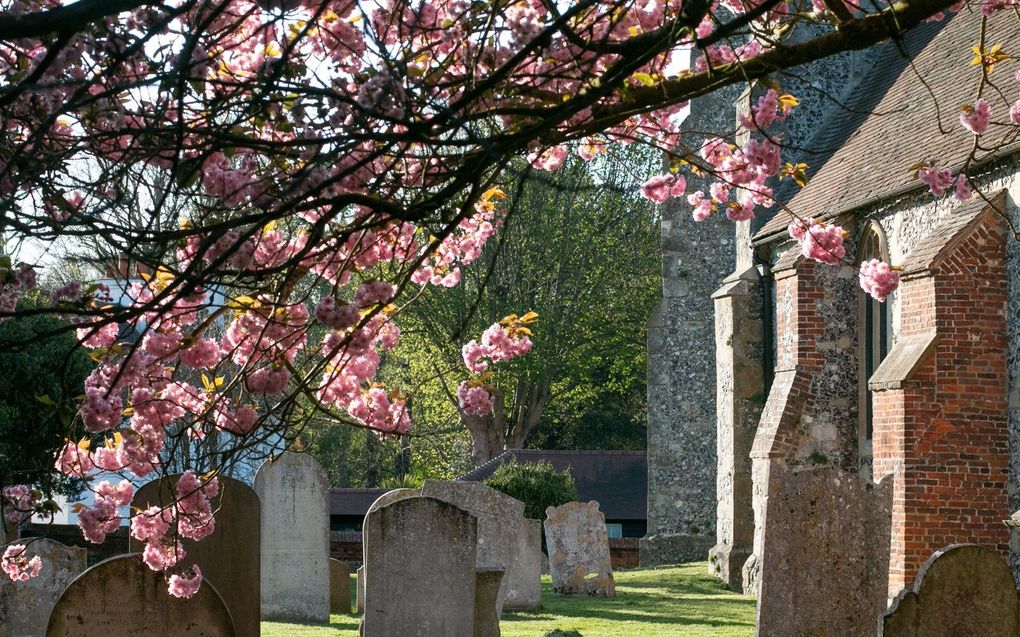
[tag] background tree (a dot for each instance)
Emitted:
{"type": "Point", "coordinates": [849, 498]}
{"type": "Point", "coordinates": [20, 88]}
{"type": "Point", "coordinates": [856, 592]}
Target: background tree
{"type": "Point", "coordinates": [582, 251]}
{"type": "Point", "coordinates": [41, 379]}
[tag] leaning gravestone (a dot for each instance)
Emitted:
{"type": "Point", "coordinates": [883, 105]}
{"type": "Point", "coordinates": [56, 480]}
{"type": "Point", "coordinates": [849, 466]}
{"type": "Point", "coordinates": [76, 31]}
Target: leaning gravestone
{"type": "Point", "coordinates": [525, 589]}
{"type": "Point", "coordinates": [295, 538]}
{"type": "Point", "coordinates": [121, 597]}
{"type": "Point", "coordinates": [229, 556]}
{"type": "Point", "coordinates": [339, 587]}
{"type": "Point", "coordinates": [963, 590]}
{"type": "Point", "coordinates": [25, 606]}
{"type": "Point", "coordinates": [499, 521]}
{"type": "Point", "coordinates": [579, 560]}
{"type": "Point", "coordinates": [825, 556]}
{"type": "Point", "coordinates": [421, 555]}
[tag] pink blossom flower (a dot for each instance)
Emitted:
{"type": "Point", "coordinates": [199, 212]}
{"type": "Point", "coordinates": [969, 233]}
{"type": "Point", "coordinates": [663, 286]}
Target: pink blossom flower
{"type": "Point", "coordinates": [160, 554]}
{"type": "Point", "coordinates": [975, 118]}
{"type": "Point", "coordinates": [73, 460]}
{"type": "Point", "coordinates": [822, 243]}
{"type": "Point", "coordinates": [1014, 112]}
{"type": "Point", "coordinates": [374, 293]}
{"type": "Point", "coordinates": [878, 279]}
{"type": "Point", "coordinates": [961, 188]}
{"type": "Point", "coordinates": [473, 353]}
{"type": "Point", "coordinates": [474, 400]}
{"type": "Point", "coordinates": [740, 211]}
{"type": "Point", "coordinates": [17, 565]}
{"type": "Point", "coordinates": [549, 159]}
{"type": "Point", "coordinates": [657, 188]}
{"type": "Point", "coordinates": [938, 179]}
{"type": "Point", "coordinates": [150, 524]}
{"type": "Point", "coordinates": [184, 586]}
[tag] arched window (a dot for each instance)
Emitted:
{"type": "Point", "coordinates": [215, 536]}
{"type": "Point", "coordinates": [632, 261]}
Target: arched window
{"type": "Point", "coordinates": [874, 342]}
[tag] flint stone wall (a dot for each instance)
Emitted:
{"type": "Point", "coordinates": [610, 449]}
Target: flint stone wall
{"type": "Point", "coordinates": [579, 561]}
{"type": "Point", "coordinates": [230, 556]}
{"type": "Point", "coordinates": [25, 606]}
{"type": "Point", "coordinates": [961, 591]}
{"type": "Point", "coordinates": [499, 522]}
{"type": "Point", "coordinates": [121, 597]}
{"type": "Point", "coordinates": [421, 554]}
{"type": "Point", "coordinates": [295, 538]}
{"type": "Point", "coordinates": [826, 553]}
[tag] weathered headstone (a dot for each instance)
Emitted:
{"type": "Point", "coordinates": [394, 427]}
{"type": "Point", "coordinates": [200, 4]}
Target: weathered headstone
{"type": "Point", "coordinates": [961, 591]}
{"type": "Point", "coordinates": [487, 581]}
{"type": "Point", "coordinates": [825, 559]}
{"type": "Point", "coordinates": [360, 592]}
{"type": "Point", "coordinates": [499, 520]}
{"type": "Point", "coordinates": [121, 597]}
{"type": "Point", "coordinates": [579, 560]}
{"type": "Point", "coordinates": [339, 587]}
{"type": "Point", "coordinates": [525, 589]}
{"type": "Point", "coordinates": [383, 500]}
{"type": "Point", "coordinates": [229, 557]}
{"type": "Point", "coordinates": [421, 555]}
{"type": "Point", "coordinates": [25, 606]}
{"type": "Point", "coordinates": [295, 538]}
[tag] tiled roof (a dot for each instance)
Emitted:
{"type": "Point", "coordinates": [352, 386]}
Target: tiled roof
{"type": "Point", "coordinates": [948, 233]}
{"type": "Point", "coordinates": [616, 479]}
{"type": "Point", "coordinates": [866, 154]}
{"type": "Point", "coordinates": [352, 501]}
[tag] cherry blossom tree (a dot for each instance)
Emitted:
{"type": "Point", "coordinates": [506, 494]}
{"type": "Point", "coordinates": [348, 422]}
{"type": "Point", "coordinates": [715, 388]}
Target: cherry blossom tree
{"type": "Point", "coordinates": [291, 173]}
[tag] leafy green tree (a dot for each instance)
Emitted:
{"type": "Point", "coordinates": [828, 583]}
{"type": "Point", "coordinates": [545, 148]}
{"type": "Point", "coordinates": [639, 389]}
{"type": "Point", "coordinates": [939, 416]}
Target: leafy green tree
{"type": "Point", "coordinates": [582, 252]}
{"type": "Point", "coordinates": [43, 369]}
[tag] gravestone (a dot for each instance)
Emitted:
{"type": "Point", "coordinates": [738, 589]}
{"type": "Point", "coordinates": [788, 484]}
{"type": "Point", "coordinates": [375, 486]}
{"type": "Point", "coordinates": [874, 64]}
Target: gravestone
{"type": "Point", "coordinates": [963, 590]}
{"type": "Point", "coordinates": [229, 557]}
{"type": "Point", "coordinates": [525, 590]}
{"type": "Point", "coordinates": [421, 555]}
{"type": "Point", "coordinates": [360, 592]}
{"type": "Point", "coordinates": [339, 587]}
{"type": "Point", "coordinates": [121, 597]}
{"type": "Point", "coordinates": [295, 538]}
{"type": "Point", "coordinates": [499, 521]}
{"type": "Point", "coordinates": [825, 555]}
{"type": "Point", "coordinates": [25, 606]}
{"type": "Point", "coordinates": [487, 581]}
{"type": "Point", "coordinates": [579, 560]}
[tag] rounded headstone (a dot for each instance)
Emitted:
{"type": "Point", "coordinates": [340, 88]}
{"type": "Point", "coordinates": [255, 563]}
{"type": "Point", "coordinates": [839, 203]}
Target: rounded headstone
{"type": "Point", "coordinates": [121, 597]}
{"type": "Point", "coordinates": [229, 557]}
{"type": "Point", "coordinates": [421, 556]}
{"type": "Point", "coordinates": [295, 538]}
{"type": "Point", "coordinates": [25, 606]}
{"type": "Point", "coordinates": [579, 559]}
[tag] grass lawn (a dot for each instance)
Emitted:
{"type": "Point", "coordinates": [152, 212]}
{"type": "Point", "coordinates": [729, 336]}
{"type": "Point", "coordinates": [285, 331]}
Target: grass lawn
{"type": "Point", "coordinates": [662, 602]}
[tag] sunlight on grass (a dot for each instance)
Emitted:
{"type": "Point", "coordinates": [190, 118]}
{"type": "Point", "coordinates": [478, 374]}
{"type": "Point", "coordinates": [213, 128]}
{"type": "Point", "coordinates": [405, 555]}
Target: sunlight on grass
{"type": "Point", "coordinates": [663, 602]}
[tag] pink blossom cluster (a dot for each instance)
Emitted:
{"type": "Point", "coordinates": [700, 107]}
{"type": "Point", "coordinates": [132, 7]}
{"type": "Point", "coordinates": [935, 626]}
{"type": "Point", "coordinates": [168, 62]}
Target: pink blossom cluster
{"type": "Point", "coordinates": [976, 118]}
{"type": "Point", "coordinates": [499, 343]}
{"type": "Point", "coordinates": [818, 241]}
{"type": "Point", "coordinates": [190, 516]}
{"type": "Point", "coordinates": [102, 518]}
{"type": "Point", "coordinates": [382, 412]}
{"type": "Point", "coordinates": [940, 180]}
{"type": "Point", "coordinates": [13, 284]}
{"type": "Point", "coordinates": [662, 187]}
{"type": "Point", "coordinates": [17, 565]}
{"type": "Point", "coordinates": [474, 399]}
{"type": "Point", "coordinates": [18, 502]}
{"type": "Point", "coordinates": [878, 279]}
{"type": "Point", "coordinates": [185, 585]}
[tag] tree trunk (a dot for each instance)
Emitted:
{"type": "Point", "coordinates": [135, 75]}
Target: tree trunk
{"type": "Point", "coordinates": [494, 434]}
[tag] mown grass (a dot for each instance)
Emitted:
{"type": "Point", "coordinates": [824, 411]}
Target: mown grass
{"type": "Point", "coordinates": [662, 602]}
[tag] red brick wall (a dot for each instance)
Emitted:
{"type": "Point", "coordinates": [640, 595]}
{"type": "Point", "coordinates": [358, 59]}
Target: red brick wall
{"type": "Point", "coordinates": [943, 432]}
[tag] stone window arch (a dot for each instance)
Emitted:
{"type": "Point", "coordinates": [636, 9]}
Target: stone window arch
{"type": "Point", "coordinates": [874, 339]}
